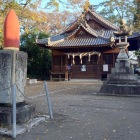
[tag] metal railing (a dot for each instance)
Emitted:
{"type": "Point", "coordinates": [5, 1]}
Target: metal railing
{"type": "Point", "coordinates": [14, 90]}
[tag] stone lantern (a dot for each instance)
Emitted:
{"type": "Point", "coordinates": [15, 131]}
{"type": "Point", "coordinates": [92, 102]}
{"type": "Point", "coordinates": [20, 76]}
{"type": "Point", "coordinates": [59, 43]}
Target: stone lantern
{"type": "Point", "coordinates": [122, 79]}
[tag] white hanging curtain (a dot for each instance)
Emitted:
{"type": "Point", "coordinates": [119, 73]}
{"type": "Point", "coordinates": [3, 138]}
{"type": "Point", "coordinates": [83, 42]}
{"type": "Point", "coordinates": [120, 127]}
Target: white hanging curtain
{"type": "Point", "coordinates": [89, 54]}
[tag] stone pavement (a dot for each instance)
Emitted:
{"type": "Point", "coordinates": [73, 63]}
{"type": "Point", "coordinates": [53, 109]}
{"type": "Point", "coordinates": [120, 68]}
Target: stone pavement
{"type": "Point", "coordinates": [81, 114]}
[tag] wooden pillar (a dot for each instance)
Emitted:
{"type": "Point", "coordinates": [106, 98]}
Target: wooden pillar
{"type": "Point", "coordinates": [99, 65]}
{"type": "Point", "coordinates": [66, 68]}
{"type": "Point", "coordinates": [66, 72]}
{"type": "Point", "coordinates": [61, 65]}
{"type": "Point", "coordinates": [52, 66]}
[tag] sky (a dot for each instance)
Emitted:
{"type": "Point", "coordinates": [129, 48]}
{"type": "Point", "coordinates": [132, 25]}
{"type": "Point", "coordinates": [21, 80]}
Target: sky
{"type": "Point", "coordinates": [96, 2]}
{"type": "Point", "coordinates": [92, 2]}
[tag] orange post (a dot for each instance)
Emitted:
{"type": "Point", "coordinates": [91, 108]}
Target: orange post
{"type": "Point", "coordinates": [11, 31]}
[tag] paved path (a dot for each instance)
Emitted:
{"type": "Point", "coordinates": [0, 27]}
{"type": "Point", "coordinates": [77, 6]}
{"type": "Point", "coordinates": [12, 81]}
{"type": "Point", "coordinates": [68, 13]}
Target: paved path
{"type": "Point", "coordinates": [81, 114]}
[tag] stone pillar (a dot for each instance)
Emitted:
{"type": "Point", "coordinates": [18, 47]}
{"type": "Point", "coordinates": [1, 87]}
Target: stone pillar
{"type": "Point", "coordinates": [122, 54]}
{"type": "Point", "coordinates": [13, 69]}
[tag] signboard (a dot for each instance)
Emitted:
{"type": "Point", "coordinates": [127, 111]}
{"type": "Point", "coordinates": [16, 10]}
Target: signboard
{"type": "Point", "coordinates": [83, 68]}
{"type": "Point", "coordinates": [105, 67]}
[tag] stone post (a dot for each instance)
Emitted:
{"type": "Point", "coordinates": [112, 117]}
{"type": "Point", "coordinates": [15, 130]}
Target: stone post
{"type": "Point", "coordinates": [13, 69]}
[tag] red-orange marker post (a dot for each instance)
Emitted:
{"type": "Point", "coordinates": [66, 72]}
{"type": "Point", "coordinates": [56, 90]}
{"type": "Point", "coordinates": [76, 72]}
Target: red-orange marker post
{"type": "Point", "coordinates": [11, 31]}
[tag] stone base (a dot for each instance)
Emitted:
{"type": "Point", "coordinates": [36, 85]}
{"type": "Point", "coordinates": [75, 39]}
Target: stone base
{"type": "Point", "coordinates": [120, 89]}
{"type": "Point", "coordinates": [25, 112]}
{"type": "Point", "coordinates": [26, 127]}
{"type": "Point", "coordinates": [122, 79]}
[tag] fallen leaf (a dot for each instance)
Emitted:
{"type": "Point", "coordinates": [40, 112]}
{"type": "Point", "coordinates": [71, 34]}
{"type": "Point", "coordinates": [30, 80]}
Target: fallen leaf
{"type": "Point", "coordinates": [114, 130]}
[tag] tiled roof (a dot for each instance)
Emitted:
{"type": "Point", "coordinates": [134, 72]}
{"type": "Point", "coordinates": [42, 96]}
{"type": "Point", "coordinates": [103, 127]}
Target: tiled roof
{"type": "Point", "coordinates": [100, 37]}
{"type": "Point", "coordinates": [87, 29]}
{"type": "Point", "coordinates": [90, 30]}
{"type": "Point", "coordinates": [73, 23]}
{"type": "Point", "coordinates": [83, 42]}
{"type": "Point", "coordinates": [51, 39]}
{"type": "Point", "coordinates": [103, 38]}
{"type": "Point", "coordinates": [134, 35]}
{"type": "Point", "coordinates": [99, 18]}
{"type": "Point", "coordinates": [105, 33]}
{"type": "Point", "coordinates": [42, 41]}
{"type": "Point", "coordinates": [102, 34]}
{"type": "Point", "coordinates": [66, 36]}
{"type": "Point", "coordinates": [57, 37]}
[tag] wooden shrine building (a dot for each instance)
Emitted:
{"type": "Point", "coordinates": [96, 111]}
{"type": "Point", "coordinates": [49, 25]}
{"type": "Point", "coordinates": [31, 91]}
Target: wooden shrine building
{"type": "Point", "coordinates": [86, 49]}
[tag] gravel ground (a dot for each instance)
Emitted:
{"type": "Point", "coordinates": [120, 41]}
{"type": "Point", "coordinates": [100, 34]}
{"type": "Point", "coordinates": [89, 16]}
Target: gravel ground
{"type": "Point", "coordinates": [81, 114]}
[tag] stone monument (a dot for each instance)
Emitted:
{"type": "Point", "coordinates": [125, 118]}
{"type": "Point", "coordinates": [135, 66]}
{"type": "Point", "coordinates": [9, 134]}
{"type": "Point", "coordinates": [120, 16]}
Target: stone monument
{"type": "Point", "coordinates": [122, 79]}
{"type": "Point", "coordinates": [13, 70]}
